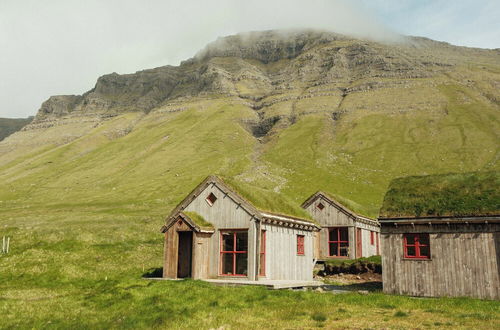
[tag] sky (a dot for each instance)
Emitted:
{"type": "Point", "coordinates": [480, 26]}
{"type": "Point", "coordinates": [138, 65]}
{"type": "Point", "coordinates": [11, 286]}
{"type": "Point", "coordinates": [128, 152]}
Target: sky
{"type": "Point", "coordinates": [57, 47]}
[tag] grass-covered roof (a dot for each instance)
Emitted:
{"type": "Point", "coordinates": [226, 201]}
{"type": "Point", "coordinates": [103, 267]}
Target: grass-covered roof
{"type": "Point", "coordinates": [454, 194]}
{"type": "Point", "coordinates": [268, 200]}
{"type": "Point", "coordinates": [199, 220]}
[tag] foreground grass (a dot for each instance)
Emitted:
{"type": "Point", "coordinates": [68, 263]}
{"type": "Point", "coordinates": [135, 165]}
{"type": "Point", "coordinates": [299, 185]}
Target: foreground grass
{"type": "Point", "coordinates": [84, 270]}
{"type": "Point", "coordinates": [118, 303]}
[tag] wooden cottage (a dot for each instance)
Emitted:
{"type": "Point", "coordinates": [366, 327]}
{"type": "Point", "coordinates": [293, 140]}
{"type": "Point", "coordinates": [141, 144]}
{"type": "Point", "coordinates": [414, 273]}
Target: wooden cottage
{"type": "Point", "coordinates": [214, 233]}
{"type": "Point", "coordinates": [441, 236]}
{"type": "Point", "coordinates": [344, 233]}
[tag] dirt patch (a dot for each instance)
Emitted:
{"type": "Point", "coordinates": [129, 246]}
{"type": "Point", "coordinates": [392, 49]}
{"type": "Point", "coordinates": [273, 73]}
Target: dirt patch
{"type": "Point", "coordinates": [346, 279]}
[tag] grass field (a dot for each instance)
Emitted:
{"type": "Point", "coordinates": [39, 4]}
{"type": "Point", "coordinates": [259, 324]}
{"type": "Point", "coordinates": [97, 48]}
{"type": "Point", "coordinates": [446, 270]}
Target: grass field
{"type": "Point", "coordinates": [84, 203]}
{"type": "Point", "coordinates": [83, 269]}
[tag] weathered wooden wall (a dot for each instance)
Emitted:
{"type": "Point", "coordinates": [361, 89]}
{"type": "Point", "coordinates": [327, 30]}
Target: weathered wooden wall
{"type": "Point", "coordinates": [369, 249]}
{"type": "Point", "coordinates": [201, 255]}
{"type": "Point", "coordinates": [225, 213]}
{"type": "Point", "coordinates": [332, 216]}
{"type": "Point", "coordinates": [171, 245]}
{"type": "Point", "coordinates": [282, 261]}
{"type": "Point", "coordinates": [464, 261]}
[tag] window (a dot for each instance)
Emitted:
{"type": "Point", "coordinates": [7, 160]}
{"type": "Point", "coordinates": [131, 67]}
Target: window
{"type": "Point", "coordinates": [211, 199]}
{"type": "Point", "coordinates": [338, 242]}
{"type": "Point", "coordinates": [300, 245]}
{"type": "Point", "coordinates": [233, 253]}
{"type": "Point", "coordinates": [416, 246]}
{"type": "Point", "coordinates": [372, 237]}
{"type": "Point", "coordinates": [262, 260]}
{"type": "Point", "coordinates": [320, 206]}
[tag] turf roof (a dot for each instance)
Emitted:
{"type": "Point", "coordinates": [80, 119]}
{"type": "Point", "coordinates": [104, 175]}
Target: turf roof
{"type": "Point", "coordinates": [199, 220]}
{"type": "Point", "coordinates": [267, 200]}
{"type": "Point", "coordinates": [464, 194]}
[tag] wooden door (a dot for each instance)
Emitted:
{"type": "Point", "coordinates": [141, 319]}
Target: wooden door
{"type": "Point", "coordinates": [359, 243]}
{"type": "Point", "coordinates": [185, 254]}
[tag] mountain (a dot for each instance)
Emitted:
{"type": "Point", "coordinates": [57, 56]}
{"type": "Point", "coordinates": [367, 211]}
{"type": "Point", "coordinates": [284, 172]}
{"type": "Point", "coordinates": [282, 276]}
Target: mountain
{"type": "Point", "coordinates": [279, 113]}
{"type": "Point", "coordinates": [11, 125]}
{"type": "Point", "coordinates": [86, 186]}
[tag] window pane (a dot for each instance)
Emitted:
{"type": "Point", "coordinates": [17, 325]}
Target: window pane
{"type": "Point", "coordinates": [241, 241]}
{"type": "Point", "coordinates": [344, 234]}
{"type": "Point", "coordinates": [227, 263]}
{"type": "Point", "coordinates": [425, 251]}
{"type": "Point", "coordinates": [334, 251]}
{"type": "Point", "coordinates": [227, 241]}
{"type": "Point", "coordinates": [410, 251]}
{"type": "Point", "coordinates": [423, 239]}
{"type": "Point", "coordinates": [241, 263]}
{"type": "Point", "coordinates": [410, 239]}
{"type": "Point", "coordinates": [344, 249]}
{"type": "Point", "coordinates": [333, 235]}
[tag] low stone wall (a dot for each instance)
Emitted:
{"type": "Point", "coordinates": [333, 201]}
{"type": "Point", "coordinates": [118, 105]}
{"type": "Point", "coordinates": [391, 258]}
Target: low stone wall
{"type": "Point", "coordinates": [358, 267]}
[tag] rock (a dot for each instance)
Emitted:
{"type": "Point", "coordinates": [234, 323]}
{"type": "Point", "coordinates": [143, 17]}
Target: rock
{"type": "Point", "coordinates": [364, 292]}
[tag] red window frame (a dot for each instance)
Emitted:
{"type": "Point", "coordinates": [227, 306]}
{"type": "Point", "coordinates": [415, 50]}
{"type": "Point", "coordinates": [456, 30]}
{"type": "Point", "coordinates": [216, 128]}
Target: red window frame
{"type": "Point", "coordinates": [417, 245]}
{"type": "Point", "coordinates": [372, 238]}
{"type": "Point", "coordinates": [338, 241]}
{"type": "Point", "coordinates": [234, 252]}
{"type": "Point", "coordinates": [300, 245]}
{"type": "Point", "coordinates": [262, 261]}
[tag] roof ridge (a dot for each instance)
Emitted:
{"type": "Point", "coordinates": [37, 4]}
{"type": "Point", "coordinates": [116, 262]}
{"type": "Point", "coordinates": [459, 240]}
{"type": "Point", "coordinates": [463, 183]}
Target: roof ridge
{"type": "Point", "coordinates": [333, 200]}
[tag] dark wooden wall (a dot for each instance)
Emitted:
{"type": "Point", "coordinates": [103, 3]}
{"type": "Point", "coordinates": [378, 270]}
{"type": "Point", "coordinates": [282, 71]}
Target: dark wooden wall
{"type": "Point", "coordinates": [200, 250]}
{"type": "Point", "coordinates": [464, 261]}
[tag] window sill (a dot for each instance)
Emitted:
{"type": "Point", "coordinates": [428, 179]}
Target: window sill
{"type": "Point", "coordinates": [232, 276]}
{"type": "Point", "coordinates": [417, 259]}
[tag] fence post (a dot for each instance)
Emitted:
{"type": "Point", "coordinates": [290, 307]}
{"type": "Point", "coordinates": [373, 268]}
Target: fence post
{"type": "Point", "coordinates": [8, 245]}
{"type": "Point", "coordinates": [3, 244]}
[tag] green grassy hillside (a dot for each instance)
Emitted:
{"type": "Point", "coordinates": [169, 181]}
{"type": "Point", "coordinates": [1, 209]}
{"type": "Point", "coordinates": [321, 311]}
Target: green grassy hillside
{"type": "Point", "coordinates": [84, 193]}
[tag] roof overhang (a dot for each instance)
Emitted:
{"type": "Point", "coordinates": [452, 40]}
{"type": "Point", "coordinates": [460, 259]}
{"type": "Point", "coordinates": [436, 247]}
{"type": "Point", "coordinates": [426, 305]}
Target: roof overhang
{"type": "Point", "coordinates": [185, 218]}
{"type": "Point", "coordinates": [287, 221]}
{"type": "Point", "coordinates": [440, 220]}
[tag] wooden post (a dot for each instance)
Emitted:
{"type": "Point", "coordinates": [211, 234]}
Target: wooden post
{"type": "Point", "coordinates": [8, 243]}
{"type": "Point", "coordinates": [257, 248]}
{"type": "Point", "coordinates": [3, 244]}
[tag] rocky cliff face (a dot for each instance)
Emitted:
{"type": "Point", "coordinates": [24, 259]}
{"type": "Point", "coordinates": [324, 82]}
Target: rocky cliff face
{"type": "Point", "coordinates": [264, 64]}
{"type": "Point", "coordinates": [287, 113]}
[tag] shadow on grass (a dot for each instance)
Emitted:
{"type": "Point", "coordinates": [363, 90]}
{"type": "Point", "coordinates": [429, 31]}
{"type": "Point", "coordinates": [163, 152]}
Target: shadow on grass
{"type": "Point", "coordinates": [367, 286]}
{"type": "Point", "coordinates": [153, 273]}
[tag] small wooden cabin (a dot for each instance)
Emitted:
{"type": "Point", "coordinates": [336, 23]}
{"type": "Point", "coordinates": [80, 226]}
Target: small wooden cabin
{"type": "Point", "coordinates": [344, 233]}
{"type": "Point", "coordinates": [214, 233]}
{"type": "Point", "coordinates": [441, 236]}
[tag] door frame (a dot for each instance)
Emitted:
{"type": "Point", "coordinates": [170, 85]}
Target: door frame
{"type": "Point", "coordinates": [190, 253]}
{"type": "Point", "coordinates": [359, 243]}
